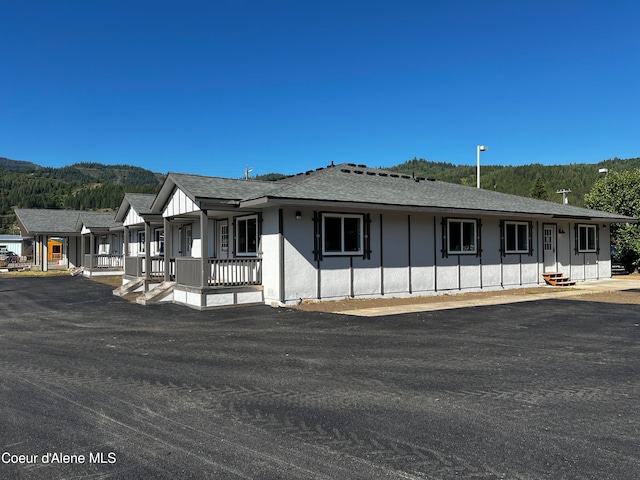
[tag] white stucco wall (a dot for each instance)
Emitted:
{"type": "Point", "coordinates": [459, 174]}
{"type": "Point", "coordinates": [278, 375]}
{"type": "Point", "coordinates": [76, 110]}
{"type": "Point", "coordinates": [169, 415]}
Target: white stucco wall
{"type": "Point", "coordinates": [415, 267]}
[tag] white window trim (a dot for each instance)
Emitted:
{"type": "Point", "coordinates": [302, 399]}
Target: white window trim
{"type": "Point", "coordinates": [506, 242]}
{"type": "Point", "coordinates": [244, 219]}
{"type": "Point", "coordinates": [342, 252]}
{"type": "Point", "coordinates": [588, 227]}
{"type": "Point", "coordinates": [475, 236]}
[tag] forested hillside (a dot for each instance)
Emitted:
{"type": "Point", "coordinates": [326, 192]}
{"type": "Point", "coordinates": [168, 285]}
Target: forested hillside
{"type": "Point", "coordinates": [520, 180]}
{"type": "Point", "coordinates": [83, 186]}
{"type": "Point", "coordinates": [93, 186]}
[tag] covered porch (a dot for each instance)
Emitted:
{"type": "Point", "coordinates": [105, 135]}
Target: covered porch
{"type": "Point", "coordinates": [213, 257]}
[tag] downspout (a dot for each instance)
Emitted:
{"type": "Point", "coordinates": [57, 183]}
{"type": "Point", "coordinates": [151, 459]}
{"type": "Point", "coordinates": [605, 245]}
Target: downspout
{"type": "Point", "coordinates": [281, 248]}
{"type": "Point", "coordinates": [409, 252]}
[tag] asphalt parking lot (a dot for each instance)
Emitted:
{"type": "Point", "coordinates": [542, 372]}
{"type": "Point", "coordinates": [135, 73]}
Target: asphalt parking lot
{"type": "Point", "coordinates": [92, 386]}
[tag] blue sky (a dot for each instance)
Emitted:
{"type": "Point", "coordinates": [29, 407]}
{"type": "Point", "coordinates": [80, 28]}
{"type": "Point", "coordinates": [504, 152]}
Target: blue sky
{"type": "Point", "coordinates": [209, 87]}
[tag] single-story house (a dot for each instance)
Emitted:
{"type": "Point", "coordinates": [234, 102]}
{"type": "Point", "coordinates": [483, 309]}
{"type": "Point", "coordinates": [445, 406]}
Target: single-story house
{"type": "Point", "coordinates": [92, 240]}
{"type": "Point", "coordinates": [348, 231]}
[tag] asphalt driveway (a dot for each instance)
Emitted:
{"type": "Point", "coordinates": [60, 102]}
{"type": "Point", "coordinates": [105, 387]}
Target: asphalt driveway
{"type": "Point", "coordinates": [94, 386]}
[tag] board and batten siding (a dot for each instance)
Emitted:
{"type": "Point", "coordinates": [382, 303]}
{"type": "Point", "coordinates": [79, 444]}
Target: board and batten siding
{"type": "Point", "coordinates": [132, 218]}
{"type": "Point", "coordinates": [407, 259]}
{"type": "Point", "coordinates": [179, 204]}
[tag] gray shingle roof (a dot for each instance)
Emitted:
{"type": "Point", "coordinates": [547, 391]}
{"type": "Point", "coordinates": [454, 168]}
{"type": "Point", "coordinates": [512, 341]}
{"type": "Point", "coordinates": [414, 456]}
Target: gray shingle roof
{"type": "Point", "coordinates": [358, 184]}
{"type": "Point", "coordinates": [97, 220]}
{"type": "Point", "coordinates": [62, 222]}
{"type": "Point", "coordinates": [48, 221]}
{"type": "Point", "coordinates": [140, 202]}
{"type": "Point", "coordinates": [220, 188]}
{"type": "Point", "coordinates": [351, 184]}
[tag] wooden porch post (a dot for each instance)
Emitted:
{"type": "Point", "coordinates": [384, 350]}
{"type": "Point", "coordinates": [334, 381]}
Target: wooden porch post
{"type": "Point", "coordinates": [147, 250]}
{"type": "Point", "coordinates": [45, 253]}
{"type": "Point", "coordinates": [92, 249]}
{"type": "Point", "coordinates": [204, 248]}
{"type": "Point", "coordinates": [125, 241]}
{"type": "Point", "coordinates": [167, 249]}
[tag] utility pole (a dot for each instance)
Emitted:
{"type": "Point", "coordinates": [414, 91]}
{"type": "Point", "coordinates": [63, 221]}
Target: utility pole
{"type": "Point", "coordinates": [565, 198]}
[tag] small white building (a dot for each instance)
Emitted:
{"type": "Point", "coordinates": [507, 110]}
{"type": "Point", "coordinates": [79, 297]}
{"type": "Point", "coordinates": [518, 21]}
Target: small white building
{"type": "Point", "coordinates": [16, 244]}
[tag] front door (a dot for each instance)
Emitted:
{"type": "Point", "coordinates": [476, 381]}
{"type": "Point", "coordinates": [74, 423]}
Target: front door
{"type": "Point", "coordinates": [223, 238]}
{"type": "Point", "coordinates": [550, 254]}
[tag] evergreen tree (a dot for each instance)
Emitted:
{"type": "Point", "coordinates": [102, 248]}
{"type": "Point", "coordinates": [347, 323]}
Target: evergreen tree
{"type": "Point", "coordinates": [539, 190]}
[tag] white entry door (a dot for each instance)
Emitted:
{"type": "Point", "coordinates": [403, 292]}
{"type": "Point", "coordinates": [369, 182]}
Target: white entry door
{"type": "Point", "coordinates": [223, 238]}
{"type": "Point", "coordinates": [550, 254]}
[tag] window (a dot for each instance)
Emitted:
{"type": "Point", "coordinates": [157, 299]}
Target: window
{"type": "Point", "coordinates": [342, 234]}
{"type": "Point", "coordinates": [247, 235]}
{"type": "Point", "coordinates": [141, 242]}
{"type": "Point", "coordinates": [159, 234]}
{"type": "Point", "coordinates": [461, 236]}
{"type": "Point", "coordinates": [516, 235]}
{"type": "Point", "coordinates": [587, 238]}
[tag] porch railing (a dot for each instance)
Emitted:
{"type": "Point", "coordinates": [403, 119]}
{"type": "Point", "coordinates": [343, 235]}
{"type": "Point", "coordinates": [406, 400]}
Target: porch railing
{"type": "Point", "coordinates": [136, 266]}
{"type": "Point", "coordinates": [103, 261]}
{"type": "Point", "coordinates": [235, 271]}
{"type": "Point", "coordinates": [221, 272]}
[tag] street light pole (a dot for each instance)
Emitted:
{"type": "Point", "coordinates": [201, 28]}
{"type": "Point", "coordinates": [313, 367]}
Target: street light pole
{"type": "Point", "coordinates": [481, 148]}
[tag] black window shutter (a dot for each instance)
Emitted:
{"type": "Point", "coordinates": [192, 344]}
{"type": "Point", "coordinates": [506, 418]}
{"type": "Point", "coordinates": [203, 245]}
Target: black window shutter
{"type": "Point", "coordinates": [502, 238]}
{"type": "Point", "coordinates": [367, 237]}
{"type": "Point", "coordinates": [317, 236]}
{"type": "Point", "coordinates": [530, 238]}
{"type": "Point", "coordinates": [445, 249]}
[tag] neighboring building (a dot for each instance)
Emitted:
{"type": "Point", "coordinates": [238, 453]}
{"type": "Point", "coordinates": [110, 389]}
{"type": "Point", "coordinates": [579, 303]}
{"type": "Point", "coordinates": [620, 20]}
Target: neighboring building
{"type": "Point", "coordinates": [17, 244]}
{"type": "Point", "coordinates": [81, 239]}
{"type": "Point", "coordinates": [349, 231]}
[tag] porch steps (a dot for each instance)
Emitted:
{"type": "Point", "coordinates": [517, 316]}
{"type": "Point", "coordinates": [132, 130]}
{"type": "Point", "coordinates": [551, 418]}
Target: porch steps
{"type": "Point", "coordinates": [558, 279]}
{"type": "Point", "coordinates": [157, 294]}
{"type": "Point", "coordinates": [128, 288]}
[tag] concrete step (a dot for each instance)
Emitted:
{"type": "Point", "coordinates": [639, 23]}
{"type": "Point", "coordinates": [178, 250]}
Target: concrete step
{"type": "Point", "coordinates": [157, 294]}
{"type": "Point", "coordinates": [128, 288]}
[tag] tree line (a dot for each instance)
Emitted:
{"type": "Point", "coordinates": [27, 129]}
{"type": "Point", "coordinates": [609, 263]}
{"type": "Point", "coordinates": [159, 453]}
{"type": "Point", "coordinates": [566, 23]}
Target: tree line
{"type": "Point", "coordinates": [84, 186]}
{"type": "Point", "coordinates": [533, 180]}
